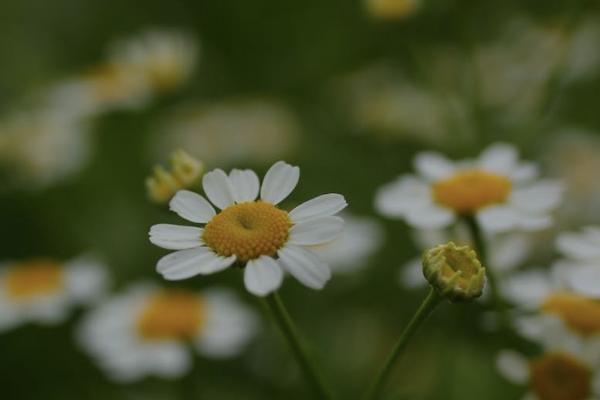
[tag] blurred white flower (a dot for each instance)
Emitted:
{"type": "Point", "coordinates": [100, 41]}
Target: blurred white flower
{"type": "Point", "coordinates": [506, 252]}
{"type": "Point", "coordinates": [351, 250]}
{"type": "Point", "coordinates": [44, 291]}
{"type": "Point", "coordinates": [254, 130]}
{"type": "Point", "coordinates": [553, 375]}
{"type": "Point", "coordinates": [580, 266]}
{"type": "Point", "coordinates": [573, 156]}
{"type": "Point", "coordinates": [146, 330]}
{"type": "Point", "coordinates": [256, 234]}
{"type": "Point", "coordinates": [42, 147]}
{"type": "Point", "coordinates": [500, 191]}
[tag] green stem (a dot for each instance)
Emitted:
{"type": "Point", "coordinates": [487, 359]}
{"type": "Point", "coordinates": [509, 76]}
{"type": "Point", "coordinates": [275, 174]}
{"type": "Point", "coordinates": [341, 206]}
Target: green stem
{"type": "Point", "coordinates": [426, 307]}
{"type": "Point", "coordinates": [481, 249]}
{"type": "Point", "coordinates": [290, 331]}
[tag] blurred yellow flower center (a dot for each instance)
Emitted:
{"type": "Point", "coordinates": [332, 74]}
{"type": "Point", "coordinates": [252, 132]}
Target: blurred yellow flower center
{"type": "Point", "coordinates": [34, 278]}
{"type": "Point", "coordinates": [578, 312]}
{"type": "Point", "coordinates": [468, 191]}
{"type": "Point", "coordinates": [248, 230]}
{"type": "Point", "coordinates": [171, 314]}
{"type": "Point", "coordinates": [559, 377]}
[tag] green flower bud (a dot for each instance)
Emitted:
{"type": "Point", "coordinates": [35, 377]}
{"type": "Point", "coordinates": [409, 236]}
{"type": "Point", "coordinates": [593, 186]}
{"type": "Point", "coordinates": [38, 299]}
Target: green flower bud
{"type": "Point", "coordinates": [185, 173]}
{"type": "Point", "coordinates": [454, 271]}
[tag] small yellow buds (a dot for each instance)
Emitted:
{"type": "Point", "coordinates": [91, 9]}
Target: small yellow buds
{"type": "Point", "coordinates": [454, 271]}
{"type": "Point", "coordinates": [185, 172]}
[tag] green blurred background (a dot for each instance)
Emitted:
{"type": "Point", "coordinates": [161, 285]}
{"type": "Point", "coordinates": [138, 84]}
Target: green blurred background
{"type": "Point", "coordinates": [299, 53]}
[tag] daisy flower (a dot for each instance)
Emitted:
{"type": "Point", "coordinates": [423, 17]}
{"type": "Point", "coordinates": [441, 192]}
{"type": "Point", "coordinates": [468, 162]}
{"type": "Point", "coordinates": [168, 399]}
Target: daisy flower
{"type": "Point", "coordinates": [255, 234]}
{"type": "Point", "coordinates": [554, 375]}
{"type": "Point", "coordinates": [45, 290]}
{"type": "Point", "coordinates": [146, 330]}
{"type": "Point", "coordinates": [502, 193]}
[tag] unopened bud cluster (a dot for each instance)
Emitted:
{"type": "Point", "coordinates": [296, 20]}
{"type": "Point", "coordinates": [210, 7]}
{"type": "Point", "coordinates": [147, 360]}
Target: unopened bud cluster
{"type": "Point", "coordinates": [454, 271]}
{"type": "Point", "coordinates": [184, 173]}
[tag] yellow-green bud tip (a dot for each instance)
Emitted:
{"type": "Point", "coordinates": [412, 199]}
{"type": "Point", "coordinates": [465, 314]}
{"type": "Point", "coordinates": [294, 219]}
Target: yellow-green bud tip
{"type": "Point", "coordinates": [185, 172]}
{"type": "Point", "coordinates": [454, 271]}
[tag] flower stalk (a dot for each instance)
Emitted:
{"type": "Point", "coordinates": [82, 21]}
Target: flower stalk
{"type": "Point", "coordinates": [297, 346]}
{"type": "Point", "coordinates": [424, 310]}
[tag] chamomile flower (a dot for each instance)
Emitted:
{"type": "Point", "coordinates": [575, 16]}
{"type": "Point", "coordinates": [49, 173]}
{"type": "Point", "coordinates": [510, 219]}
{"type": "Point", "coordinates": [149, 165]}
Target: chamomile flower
{"type": "Point", "coordinates": [147, 330]}
{"type": "Point", "coordinates": [557, 375]}
{"type": "Point", "coordinates": [255, 234]}
{"type": "Point", "coordinates": [496, 189]}
{"type": "Point", "coordinates": [44, 290]}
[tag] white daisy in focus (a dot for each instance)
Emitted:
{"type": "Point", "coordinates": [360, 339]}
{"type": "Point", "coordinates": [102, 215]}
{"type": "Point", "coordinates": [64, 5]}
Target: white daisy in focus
{"type": "Point", "coordinates": [351, 250]}
{"type": "Point", "coordinates": [146, 330]}
{"type": "Point", "coordinates": [164, 59]}
{"type": "Point", "coordinates": [506, 252]}
{"type": "Point", "coordinates": [248, 130]}
{"type": "Point", "coordinates": [255, 234]}
{"type": "Point", "coordinates": [43, 147]}
{"type": "Point", "coordinates": [44, 291]}
{"type": "Point", "coordinates": [556, 375]}
{"type": "Point", "coordinates": [497, 189]}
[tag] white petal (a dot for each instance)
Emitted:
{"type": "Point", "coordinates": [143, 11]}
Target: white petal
{"type": "Point", "coordinates": [305, 266]}
{"type": "Point", "coordinates": [525, 172]}
{"type": "Point", "coordinates": [513, 366]}
{"type": "Point", "coordinates": [316, 231]}
{"type": "Point", "coordinates": [411, 274]}
{"type": "Point", "coordinates": [539, 197]}
{"type": "Point", "coordinates": [398, 198]}
{"type": "Point", "coordinates": [263, 276]}
{"type": "Point", "coordinates": [218, 188]}
{"type": "Point", "coordinates": [527, 289]}
{"type": "Point", "coordinates": [321, 206]}
{"type": "Point", "coordinates": [192, 206]}
{"type": "Point", "coordinates": [497, 218]}
{"type": "Point", "coordinates": [175, 237]}
{"type": "Point", "coordinates": [245, 184]}
{"type": "Point", "coordinates": [500, 157]}
{"type": "Point", "coordinates": [279, 182]}
{"type": "Point", "coordinates": [430, 216]}
{"type": "Point", "coordinates": [578, 246]}
{"type": "Point", "coordinates": [184, 264]}
{"type": "Point", "coordinates": [433, 166]}
{"type": "Point", "coordinates": [585, 280]}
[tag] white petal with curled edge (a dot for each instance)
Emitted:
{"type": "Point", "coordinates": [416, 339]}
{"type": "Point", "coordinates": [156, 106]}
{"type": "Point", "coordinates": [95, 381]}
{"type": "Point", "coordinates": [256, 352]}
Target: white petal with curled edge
{"type": "Point", "coordinates": [245, 184]}
{"type": "Point", "coordinates": [262, 276]}
{"type": "Point", "coordinates": [305, 266]}
{"type": "Point", "coordinates": [320, 206]}
{"type": "Point", "coordinates": [316, 231]}
{"type": "Point", "coordinates": [279, 182]}
{"type": "Point", "coordinates": [192, 206]}
{"type": "Point", "coordinates": [175, 237]}
{"type": "Point", "coordinates": [218, 188]}
{"type": "Point", "coordinates": [184, 264]}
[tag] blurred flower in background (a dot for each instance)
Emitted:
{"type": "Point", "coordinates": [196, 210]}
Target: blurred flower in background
{"type": "Point", "coordinates": [228, 131]}
{"type": "Point", "coordinates": [146, 330]}
{"type": "Point", "coordinates": [45, 291]}
{"type": "Point", "coordinates": [185, 173]}
{"type": "Point", "coordinates": [392, 9]}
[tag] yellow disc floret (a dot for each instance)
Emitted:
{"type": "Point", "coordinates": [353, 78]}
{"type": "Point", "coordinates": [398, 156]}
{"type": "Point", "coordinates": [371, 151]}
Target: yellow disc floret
{"type": "Point", "coordinates": [580, 313]}
{"type": "Point", "coordinates": [248, 230]}
{"type": "Point", "coordinates": [171, 315]}
{"type": "Point", "coordinates": [34, 278]}
{"type": "Point", "coordinates": [559, 377]}
{"type": "Point", "coordinates": [468, 191]}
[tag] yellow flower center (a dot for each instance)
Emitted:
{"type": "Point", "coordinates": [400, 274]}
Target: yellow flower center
{"type": "Point", "coordinates": [468, 191]}
{"type": "Point", "coordinates": [248, 230]}
{"type": "Point", "coordinates": [578, 312]}
{"type": "Point", "coordinates": [559, 377]}
{"type": "Point", "coordinates": [33, 279]}
{"type": "Point", "coordinates": [171, 314]}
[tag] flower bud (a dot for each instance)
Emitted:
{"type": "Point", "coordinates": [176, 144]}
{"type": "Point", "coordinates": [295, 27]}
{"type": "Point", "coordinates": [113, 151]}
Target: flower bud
{"type": "Point", "coordinates": [185, 172]}
{"type": "Point", "coordinates": [454, 271]}
{"type": "Point", "coordinates": [185, 168]}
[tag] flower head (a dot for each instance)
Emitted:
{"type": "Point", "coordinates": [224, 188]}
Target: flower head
{"type": "Point", "coordinates": [454, 271]}
{"type": "Point", "coordinates": [262, 238]}
{"type": "Point", "coordinates": [44, 290]}
{"type": "Point", "coordinates": [147, 330]}
{"type": "Point", "coordinates": [497, 189]}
